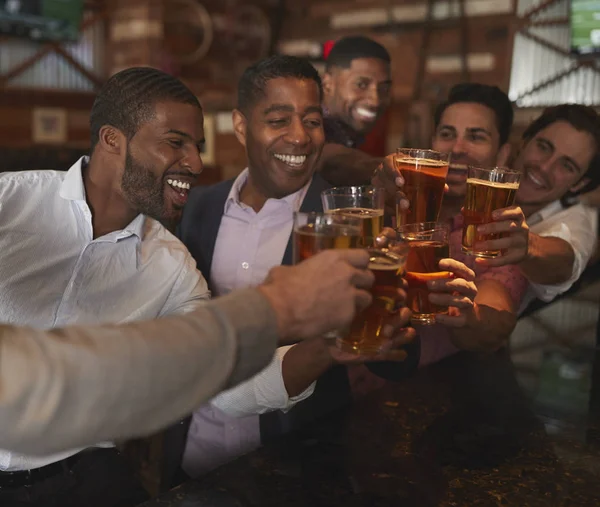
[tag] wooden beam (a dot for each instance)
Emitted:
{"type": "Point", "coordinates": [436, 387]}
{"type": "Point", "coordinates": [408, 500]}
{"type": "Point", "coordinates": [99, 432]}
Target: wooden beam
{"type": "Point", "coordinates": [423, 52]}
{"type": "Point", "coordinates": [550, 22]}
{"type": "Point", "coordinates": [544, 5]}
{"type": "Point", "coordinates": [464, 41]}
{"type": "Point", "coordinates": [26, 97]}
{"type": "Point", "coordinates": [89, 75]}
{"type": "Point", "coordinates": [550, 81]}
{"type": "Point", "coordinates": [25, 64]}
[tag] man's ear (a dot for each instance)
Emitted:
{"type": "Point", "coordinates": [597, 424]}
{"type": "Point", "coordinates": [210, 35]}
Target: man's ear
{"type": "Point", "coordinates": [503, 155]}
{"type": "Point", "coordinates": [240, 126]}
{"type": "Point", "coordinates": [112, 140]}
{"type": "Point", "coordinates": [580, 185]}
{"type": "Point", "coordinates": [328, 84]}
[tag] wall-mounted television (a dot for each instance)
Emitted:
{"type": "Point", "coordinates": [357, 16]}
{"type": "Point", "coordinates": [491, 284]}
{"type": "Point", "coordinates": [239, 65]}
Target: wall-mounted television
{"type": "Point", "coordinates": [585, 26]}
{"type": "Point", "coordinates": [42, 20]}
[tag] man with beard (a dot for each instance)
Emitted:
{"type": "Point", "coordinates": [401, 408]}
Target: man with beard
{"type": "Point", "coordinates": [86, 247]}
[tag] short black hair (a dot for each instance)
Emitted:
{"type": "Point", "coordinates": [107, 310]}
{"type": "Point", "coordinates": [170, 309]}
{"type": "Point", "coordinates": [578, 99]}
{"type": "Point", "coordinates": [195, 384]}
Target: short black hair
{"type": "Point", "coordinates": [582, 118]}
{"type": "Point", "coordinates": [128, 98]}
{"type": "Point", "coordinates": [486, 95]}
{"type": "Point", "coordinates": [253, 82]}
{"type": "Point", "coordinates": [350, 48]}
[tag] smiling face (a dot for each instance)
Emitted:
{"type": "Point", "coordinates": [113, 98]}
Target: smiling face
{"type": "Point", "coordinates": [163, 161]}
{"type": "Point", "coordinates": [283, 136]}
{"type": "Point", "coordinates": [553, 163]}
{"type": "Point", "coordinates": [469, 132]}
{"type": "Point", "coordinates": [360, 94]}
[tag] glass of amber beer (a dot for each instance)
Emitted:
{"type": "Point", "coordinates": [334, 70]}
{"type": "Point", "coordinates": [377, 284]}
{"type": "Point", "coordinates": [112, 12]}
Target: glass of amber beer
{"type": "Point", "coordinates": [424, 173]}
{"type": "Point", "coordinates": [428, 245]}
{"type": "Point", "coordinates": [314, 232]}
{"type": "Point", "coordinates": [365, 203]}
{"type": "Point", "coordinates": [487, 191]}
{"type": "Point", "coordinates": [365, 336]}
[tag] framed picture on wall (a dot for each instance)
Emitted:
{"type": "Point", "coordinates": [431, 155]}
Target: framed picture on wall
{"type": "Point", "coordinates": [208, 152]}
{"type": "Point", "coordinates": [49, 125]}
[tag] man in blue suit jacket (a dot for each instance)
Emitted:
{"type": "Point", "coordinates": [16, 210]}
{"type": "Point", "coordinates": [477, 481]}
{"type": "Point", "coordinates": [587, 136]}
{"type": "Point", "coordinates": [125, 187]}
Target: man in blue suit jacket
{"type": "Point", "coordinates": [237, 230]}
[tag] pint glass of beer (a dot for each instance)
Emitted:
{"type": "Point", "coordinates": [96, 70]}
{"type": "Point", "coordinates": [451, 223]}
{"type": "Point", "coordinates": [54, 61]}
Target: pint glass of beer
{"type": "Point", "coordinates": [314, 232]}
{"type": "Point", "coordinates": [365, 203]}
{"type": "Point", "coordinates": [424, 173]}
{"type": "Point", "coordinates": [365, 336]}
{"type": "Point", "coordinates": [428, 245]}
{"type": "Point", "coordinates": [487, 190]}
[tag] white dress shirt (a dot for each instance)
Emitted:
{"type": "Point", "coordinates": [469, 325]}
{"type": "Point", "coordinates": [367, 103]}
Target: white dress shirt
{"type": "Point", "coordinates": [578, 226]}
{"type": "Point", "coordinates": [248, 245]}
{"type": "Point", "coordinates": [53, 272]}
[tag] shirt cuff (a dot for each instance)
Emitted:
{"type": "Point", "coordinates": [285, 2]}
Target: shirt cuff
{"type": "Point", "coordinates": [263, 393]}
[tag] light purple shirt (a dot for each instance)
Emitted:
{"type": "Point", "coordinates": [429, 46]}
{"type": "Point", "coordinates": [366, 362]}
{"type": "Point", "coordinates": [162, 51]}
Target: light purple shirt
{"type": "Point", "coordinates": [248, 245]}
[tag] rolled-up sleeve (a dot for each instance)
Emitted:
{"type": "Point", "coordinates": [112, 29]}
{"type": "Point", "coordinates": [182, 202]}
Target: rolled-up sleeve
{"type": "Point", "coordinates": [263, 393]}
{"type": "Point", "coordinates": [579, 229]}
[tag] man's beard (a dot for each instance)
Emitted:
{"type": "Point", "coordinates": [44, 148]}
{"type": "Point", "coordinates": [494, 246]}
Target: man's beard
{"type": "Point", "coordinates": [143, 190]}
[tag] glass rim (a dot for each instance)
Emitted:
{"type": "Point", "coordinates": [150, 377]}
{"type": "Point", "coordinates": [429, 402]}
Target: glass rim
{"type": "Point", "coordinates": [445, 155]}
{"type": "Point", "coordinates": [497, 169]}
{"type": "Point", "coordinates": [361, 188]}
{"type": "Point", "coordinates": [427, 227]}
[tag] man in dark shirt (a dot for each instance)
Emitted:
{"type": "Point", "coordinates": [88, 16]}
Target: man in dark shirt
{"type": "Point", "coordinates": [357, 90]}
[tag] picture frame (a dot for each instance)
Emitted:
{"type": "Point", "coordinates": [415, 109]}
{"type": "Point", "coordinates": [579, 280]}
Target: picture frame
{"type": "Point", "coordinates": [49, 126]}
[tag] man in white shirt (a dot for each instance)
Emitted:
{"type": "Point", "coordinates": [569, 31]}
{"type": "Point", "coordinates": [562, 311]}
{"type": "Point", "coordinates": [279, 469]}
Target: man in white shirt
{"type": "Point", "coordinates": [551, 241]}
{"type": "Point", "coordinates": [86, 246]}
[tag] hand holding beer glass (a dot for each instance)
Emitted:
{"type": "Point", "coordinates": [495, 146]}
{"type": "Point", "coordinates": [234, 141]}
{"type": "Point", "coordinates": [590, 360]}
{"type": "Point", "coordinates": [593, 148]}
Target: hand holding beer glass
{"type": "Point", "coordinates": [424, 173]}
{"type": "Point", "coordinates": [487, 190]}
{"type": "Point", "coordinates": [316, 231]}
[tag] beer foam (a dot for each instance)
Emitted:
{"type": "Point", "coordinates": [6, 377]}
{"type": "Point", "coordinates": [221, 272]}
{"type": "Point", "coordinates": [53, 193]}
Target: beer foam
{"type": "Point", "coordinates": [358, 212]}
{"type": "Point", "coordinates": [385, 261]}
{"type": "Point", "coordinates": [513, 185]}
{"type": "Point", "coordinates": [421, 161]}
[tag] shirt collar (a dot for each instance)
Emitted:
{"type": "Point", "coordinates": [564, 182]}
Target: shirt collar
{"type": "Point", "coordinates": [73, 189]}
{"type": "Point", "coordinates": [545, 213]}
{"type": "Point", "coordinates": [293, 200]}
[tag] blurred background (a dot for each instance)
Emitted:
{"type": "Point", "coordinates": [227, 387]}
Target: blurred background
{"type": "Point", "coordinates": [54, 55]}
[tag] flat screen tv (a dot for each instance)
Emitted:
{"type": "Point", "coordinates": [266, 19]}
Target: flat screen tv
{"type": "Point", "coordinates": [41, 20]}
{"type": "Point", "coordinates": [585, 27]}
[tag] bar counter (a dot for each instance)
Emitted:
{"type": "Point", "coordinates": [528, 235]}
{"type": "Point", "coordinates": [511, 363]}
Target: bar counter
{"type": "Point", "coordinates": [460, 433]}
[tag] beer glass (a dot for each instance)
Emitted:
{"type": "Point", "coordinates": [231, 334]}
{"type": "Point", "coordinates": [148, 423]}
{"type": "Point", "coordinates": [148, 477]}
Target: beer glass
{"type": "Point", "coordinates": [487, 190]}
{"type": "Point", "coordinates": [428, 244]}
{"type": "Point", "coordinates": [314, 232]}
{"type": "Point", "coordinates": [365, 203]}
{"type": "Point", "coordinates": [365, 336]}
{"type": "Point", "coordinates": [424, 173]}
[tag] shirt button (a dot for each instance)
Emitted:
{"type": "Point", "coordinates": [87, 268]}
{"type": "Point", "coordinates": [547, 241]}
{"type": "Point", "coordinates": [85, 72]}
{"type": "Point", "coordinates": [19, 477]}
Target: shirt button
{"type": "Point", "coordinates": [245, 265]}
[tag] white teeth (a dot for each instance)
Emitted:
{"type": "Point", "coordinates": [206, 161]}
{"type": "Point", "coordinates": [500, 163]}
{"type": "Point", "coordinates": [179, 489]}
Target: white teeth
{"type": "Point", "coordinates": [179, 184]}
{"type": "Point", "coordinates": [366, 113]}
{"type": "Point", "coordinates": [292, 160]}
{"type": "Point", "coordinates": [538, 182]}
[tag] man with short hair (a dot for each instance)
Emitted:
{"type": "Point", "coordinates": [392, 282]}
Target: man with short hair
{"type": "Point", "coordinates": [356, 93]}
{"type": "Point", "coordinates": [87, 246]}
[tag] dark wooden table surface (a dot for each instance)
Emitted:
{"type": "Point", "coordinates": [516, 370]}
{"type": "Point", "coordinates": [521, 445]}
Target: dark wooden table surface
{"type": "Point", "coordinates": [461, 433]}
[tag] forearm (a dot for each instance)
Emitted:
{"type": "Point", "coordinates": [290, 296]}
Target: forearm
{"type": "Point", "coordinates": [304, 364]}
{"type": "Point", "coordinates": [549, 260]}
{"type": "Point", "coordinates": [77, 386]}
{"type": "Point", "coordinates": [487, 329]}
{"type": "Point", "coordinates": [341, 166]}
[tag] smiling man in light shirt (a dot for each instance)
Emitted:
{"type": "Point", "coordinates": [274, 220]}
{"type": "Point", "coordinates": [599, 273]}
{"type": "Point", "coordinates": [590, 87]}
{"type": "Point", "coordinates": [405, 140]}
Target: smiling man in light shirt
{"type": "Point", "coordinates": [86, 246]}
{"type": "Point", "coordinates": [239, 229]}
